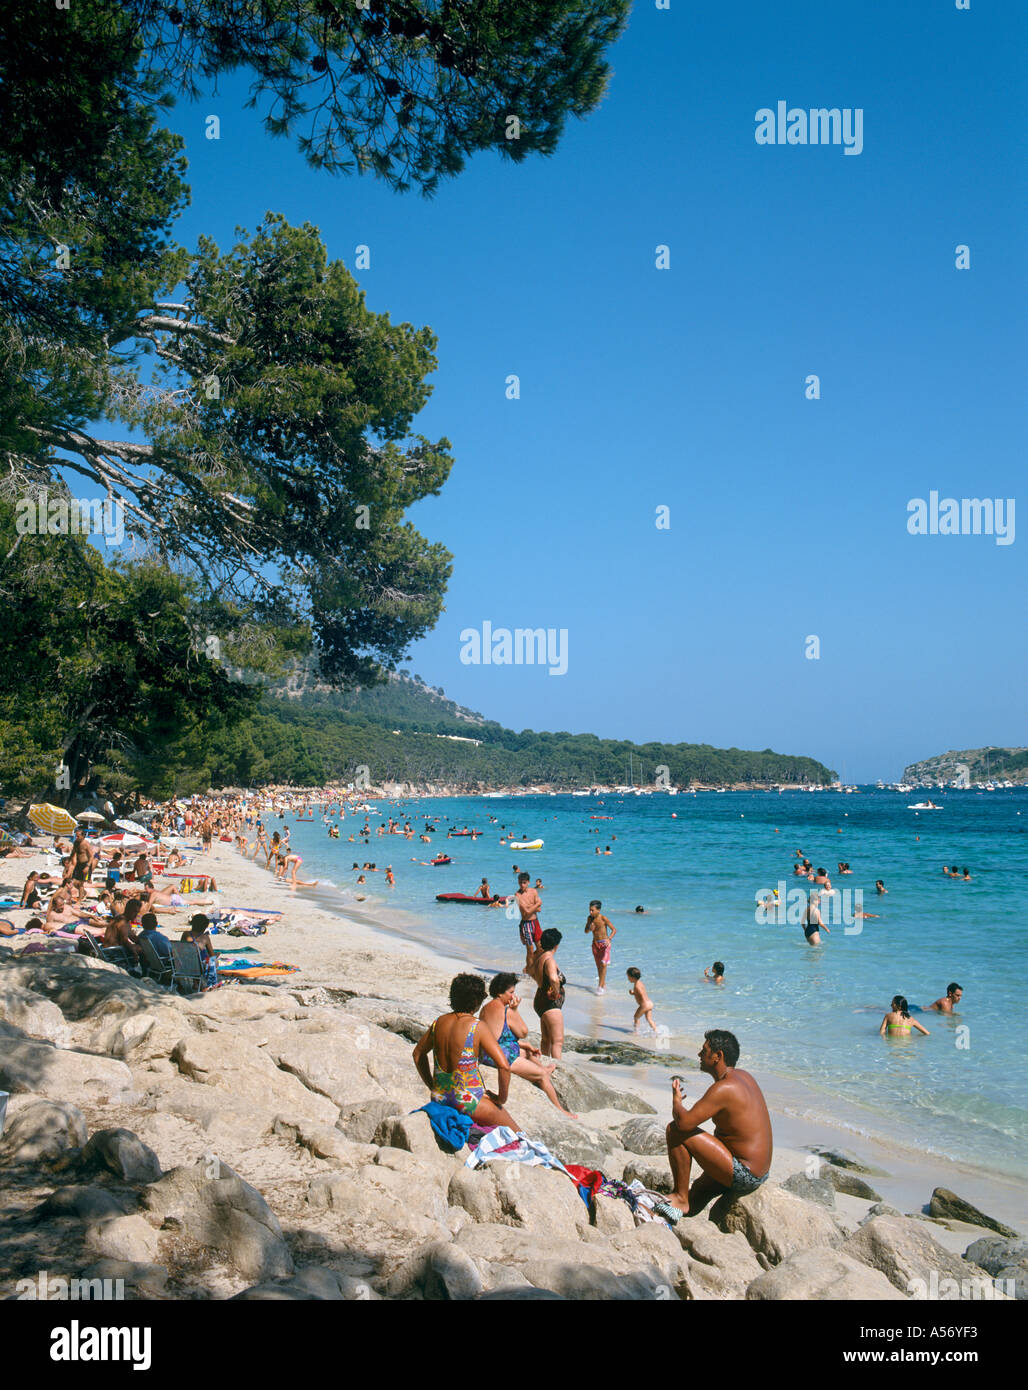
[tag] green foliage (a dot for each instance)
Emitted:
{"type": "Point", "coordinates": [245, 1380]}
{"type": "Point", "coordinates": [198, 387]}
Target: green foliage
{"type": "Point", "coordinates": [404, 90]}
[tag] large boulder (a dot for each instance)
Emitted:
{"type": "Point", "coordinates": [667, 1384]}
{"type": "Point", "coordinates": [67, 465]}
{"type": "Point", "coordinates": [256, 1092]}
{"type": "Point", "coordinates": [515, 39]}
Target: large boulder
{"type": "Point", "coordinates": [129, 1279]}
{"type": "Point", "coordinates": [385, 1208]}
{"type": "Point", "coordinates": [121, 1153]}
{"type": "Point", "coordinates": [578, 1090]}
{"type": "Point", "coordinates": [140, 1037]}
{"type": "Point", "coordinates": [654, 1176]}
{"type": "Point", "coordinates": [849, 1184]}
{"type": "Point", "coordinates": [592, 1269]}
{"type": "Point", "coordinates": [907, 1254]}
{"type": "Point", "coordinates": [223, 1214]}
{"type": "Point", "coordinates": [360, 1119]}
{"type": "Point", "coordinates": [775, 1222]}
{"type": "Point", "coordinates": [644, 1136]}
{"type": "Point", "coordinates": [33, 1014]}
{"type": "Point", "coordinates": [538, 1199]}
{"type": "Point", "coordinates": [85, 1203]}
{"type": "Point", "coordinates": [57, 1073]}
{"type": "Point", "coordinates": [332, 1065]}
{"type": "Point", "coordinates": [820, 1189]}
{"type": "Point", "coordinates": [818, 1275]}
{"type": "Point", "coordinates": [247, 1076]}
{"type": "Point", "coordinates": [842, 1158]}
{"type": "Point", "coordinates": [128, 1238]}
{"type": "Point", "coordinates": [315, 1285]}
{"type": "Point", "coordinates": [1003, 1259]}
{"type": "Point", "coordinates": [721, 1264]}
{"type": "Point", "coordinates": [414, 1133]}
{"type": "Point", "coordinates": [439, 1271]}
{"type": "Point", "coordinates": [945, 1203]}
{"type": "Point", "coordinates": [42, 1131]}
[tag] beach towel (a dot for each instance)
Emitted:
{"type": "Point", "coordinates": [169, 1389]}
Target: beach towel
{"type": "Point", "coordinates": [259, 971]}
{"type": "Point", "coordinates": [589, 1181]}
{"type": "Point", "coordinates": [516, 1147]}
{"type": "Point", "coordinates": [449, 1125]}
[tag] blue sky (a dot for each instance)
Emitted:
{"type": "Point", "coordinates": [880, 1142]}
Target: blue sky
{"type": "Point", "coordinates": [685, 387]}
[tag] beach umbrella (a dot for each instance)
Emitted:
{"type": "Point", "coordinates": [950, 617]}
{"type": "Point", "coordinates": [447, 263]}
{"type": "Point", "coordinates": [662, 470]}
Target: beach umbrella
{"type": "Point", "coordinates": [131, 826]}
{"type": "Point", "coordinates": [123, 841]}
{"type": "Point", "coordinates": [55, 820]}
{"type": "Point", "coordinates": [90, 816]}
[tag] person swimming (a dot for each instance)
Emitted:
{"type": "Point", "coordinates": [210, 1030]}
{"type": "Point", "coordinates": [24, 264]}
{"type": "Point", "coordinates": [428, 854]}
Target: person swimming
{"type": "Point", "coordinates": [897, 1023]}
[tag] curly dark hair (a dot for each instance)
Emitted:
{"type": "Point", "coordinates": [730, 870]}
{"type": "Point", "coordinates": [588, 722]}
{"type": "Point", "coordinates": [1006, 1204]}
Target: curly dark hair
{"type": "Point", "coordinates": [466, 993]}
{"type": "Point", "coordinates": [500, 984]}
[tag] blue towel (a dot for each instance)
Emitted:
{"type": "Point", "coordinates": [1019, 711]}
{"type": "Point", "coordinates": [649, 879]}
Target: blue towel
{"type": "Point", "coordinates": [449, 1125]}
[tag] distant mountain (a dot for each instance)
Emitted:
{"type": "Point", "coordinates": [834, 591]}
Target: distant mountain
{"type": "Point", "coordinates": [405, 731]}
{"type": "Point", "coordinates": [971, 765]}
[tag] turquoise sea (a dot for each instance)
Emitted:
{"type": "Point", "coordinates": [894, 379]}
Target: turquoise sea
{"type": "Point", "coordinates": [696, 863]}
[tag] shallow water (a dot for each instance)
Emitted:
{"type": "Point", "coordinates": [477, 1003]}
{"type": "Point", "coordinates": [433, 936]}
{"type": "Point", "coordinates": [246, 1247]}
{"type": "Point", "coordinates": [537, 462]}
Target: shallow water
{"type": "Point", "coordinates": [807, 1014]}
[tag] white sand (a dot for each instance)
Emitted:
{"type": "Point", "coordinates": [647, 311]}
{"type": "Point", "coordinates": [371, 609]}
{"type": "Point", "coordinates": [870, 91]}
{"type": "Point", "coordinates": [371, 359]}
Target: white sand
{"type": "Point", "coordinates": [337, 950]}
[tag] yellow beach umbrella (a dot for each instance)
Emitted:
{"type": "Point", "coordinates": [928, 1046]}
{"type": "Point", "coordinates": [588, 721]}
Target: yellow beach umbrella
{"type": "Point", "coordinates": [55, 820]}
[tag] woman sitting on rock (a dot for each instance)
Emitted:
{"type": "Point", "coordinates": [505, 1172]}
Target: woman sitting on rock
{"type": "Point", "coordinates": [510, 1030]}
{"type": "Point", "coordinates": [456, 1040]}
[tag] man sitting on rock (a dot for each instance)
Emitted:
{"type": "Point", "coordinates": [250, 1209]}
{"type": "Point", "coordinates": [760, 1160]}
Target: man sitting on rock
{"type": "Point", "coordinates": [737, 1156]}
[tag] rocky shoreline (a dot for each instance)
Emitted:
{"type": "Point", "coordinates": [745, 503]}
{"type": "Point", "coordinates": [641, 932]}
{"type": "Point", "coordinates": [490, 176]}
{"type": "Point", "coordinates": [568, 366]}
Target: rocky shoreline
{"type": "Point", "coordinates": [258, 1142]}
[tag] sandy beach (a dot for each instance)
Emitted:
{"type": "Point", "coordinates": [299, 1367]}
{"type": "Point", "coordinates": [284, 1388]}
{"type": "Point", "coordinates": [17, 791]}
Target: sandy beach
{"type": "Point", "coordinates": [352, 968]}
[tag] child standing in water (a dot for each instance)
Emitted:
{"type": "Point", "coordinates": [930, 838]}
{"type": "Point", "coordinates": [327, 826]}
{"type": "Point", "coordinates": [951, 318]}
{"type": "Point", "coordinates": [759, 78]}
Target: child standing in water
{"type": "Point", "coordinates": [645, 1003]}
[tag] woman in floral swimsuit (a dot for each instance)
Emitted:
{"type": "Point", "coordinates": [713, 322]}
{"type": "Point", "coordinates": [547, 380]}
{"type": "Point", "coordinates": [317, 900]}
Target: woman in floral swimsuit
{"type": "Point", "coordinates": [503, 1020]}
{"type": "Point", "coordinates": [455, 1041]}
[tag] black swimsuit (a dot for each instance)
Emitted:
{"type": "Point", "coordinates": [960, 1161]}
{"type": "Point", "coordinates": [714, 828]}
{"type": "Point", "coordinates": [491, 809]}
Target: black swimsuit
{"type": "Point", "coordinates": [542, 1003]}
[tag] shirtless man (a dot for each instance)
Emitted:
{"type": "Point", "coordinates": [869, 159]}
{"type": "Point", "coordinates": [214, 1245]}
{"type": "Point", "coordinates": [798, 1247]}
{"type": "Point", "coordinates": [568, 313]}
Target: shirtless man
{"type": "Point", "coordinates": [603, 931]}
{"type": "Point", "coordinates": [737, 1156]}
{"type": "Point", "coordinates": [529, 903]}
{"type": "Point", "coordinates": [81, 859]}
{"type": "Point", "coordinates": [953, 996]}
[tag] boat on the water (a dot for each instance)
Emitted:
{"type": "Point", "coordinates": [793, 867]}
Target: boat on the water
{"type": "Point", "coordinates": [924, 806]}
{"type": "Point", "coordinates": [495, 900]}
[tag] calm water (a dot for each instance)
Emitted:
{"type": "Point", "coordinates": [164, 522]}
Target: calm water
{"type": "Point", "coordinates": [810, 1014]}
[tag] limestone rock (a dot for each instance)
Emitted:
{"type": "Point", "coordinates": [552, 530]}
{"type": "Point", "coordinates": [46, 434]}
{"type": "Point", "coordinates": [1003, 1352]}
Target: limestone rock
{"type": "Point", "coordinates": [945, 1203]}
{"type": "Point", "coordinates": [223, 1213]}
{"type": "Point", "coordinates": [33, 1014]}
{"type": "Point", "coordinates": [128, 1238]}
{"type": "Point", "coordinates": [137, 1280]}
{"type": "Point", "coordinates": [42, 1131]}
{"type": "Point", "coordinates": [775, 1222]}
{"type": "Point", "coordinates": [377, 1197]}
{"type": "Point", "coordinates": [89, 1204]}
{"type": "Point", "coordinates": [574, 1269]}
{"type": "Point", "coordinates": [906, 1253]}
{"type": "Point", "coordinates": [249, 1077]}
{"type": "Point", "coordinates": [411, 1132]}
{"type": "Point", "coordinates": [332, 1065]}
{"type": "Point", "coordinates": [817, 1275]}
{"type": "Point", "coordinates": [644, 1136]}
{"type": "Point", "coordinates": [654, 1176]}
{"type": "Point", "coordinates": [360, 1119]}
{"type": "Point", "coordinates": [879, 1209]}
{"type": "Point", "coordinates": [1003, 1259]}
{"type": "Point", "coordinates": [851, 1186]}
{"type": "Point", "coordinates": [721, 1264]}
{"type": "Point", "coordinates": [820, 1189]}
{"type": "Point", "coordinates": [440, 1271]}
{"type": "Point", "coordinates": [842, 1158]}
{"type": "Point", "coordinates": [613, 1217]}
{"type": "Point", "coordinates": [57, 1073]}
{"type": "Point", "coordinates": [579, 1090]}
{"type": "Point", "coordinates": [311, 1285]}
{"type": "Point", "coordinates": [121, 1153]}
